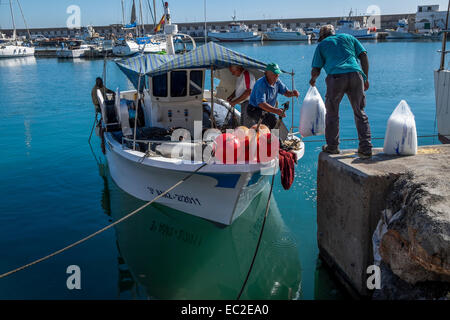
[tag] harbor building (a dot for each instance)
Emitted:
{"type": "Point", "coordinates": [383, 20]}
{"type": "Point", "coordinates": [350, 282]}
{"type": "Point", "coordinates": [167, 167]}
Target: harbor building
{"type": "Point", "coordinates": [429, 17]}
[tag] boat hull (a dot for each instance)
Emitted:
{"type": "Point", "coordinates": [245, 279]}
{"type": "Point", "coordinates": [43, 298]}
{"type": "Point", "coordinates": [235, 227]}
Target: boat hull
{"type": "Point", "coordinates": [287, 36]}
{"type": "Point", "coordinates": [234, 36]}
{"type": "Point", "coordinates": [403, 35]}
{"type": "Point", "coordinates": [212, 194]}
{"type": "Point", "coordinates": [16, 51]}
{"type": "Point", "coordinates": [71, 54]}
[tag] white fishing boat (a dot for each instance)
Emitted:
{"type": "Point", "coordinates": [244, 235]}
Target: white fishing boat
{"type": "Point", "coordinates": [144, 163]}
{"type": "Point", "coordinates": [12, 48]}
{"type": "Point", "coordinates": [74, 49]}
{"type": "Point", "coordinates": [237, 32]}
{"type": "Point", "coordinates": [280, 33]}
{"type": "Point", "coordinates": [402, 31]}
{"type": "Point", "coordinates": [355, 29]}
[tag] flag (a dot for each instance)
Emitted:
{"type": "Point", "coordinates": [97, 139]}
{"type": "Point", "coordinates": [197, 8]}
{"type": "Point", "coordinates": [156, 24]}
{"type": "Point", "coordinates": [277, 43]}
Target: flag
{"type": "Point", "coordinates": [161, 22]}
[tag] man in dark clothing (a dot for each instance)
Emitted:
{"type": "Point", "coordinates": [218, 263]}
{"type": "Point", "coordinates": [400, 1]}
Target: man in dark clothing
{"type": "Point", "coordinates": [339, 55]}
{"type": "Point", "coordinates": [104, 90]}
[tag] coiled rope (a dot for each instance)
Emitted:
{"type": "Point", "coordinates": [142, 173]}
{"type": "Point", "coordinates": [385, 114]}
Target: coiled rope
{"type": "Point", "coordinates": [105, 228]}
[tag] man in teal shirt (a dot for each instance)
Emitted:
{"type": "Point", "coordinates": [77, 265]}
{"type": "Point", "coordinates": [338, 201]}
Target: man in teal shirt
{"type": "Point", "coordinates": [339, 55]}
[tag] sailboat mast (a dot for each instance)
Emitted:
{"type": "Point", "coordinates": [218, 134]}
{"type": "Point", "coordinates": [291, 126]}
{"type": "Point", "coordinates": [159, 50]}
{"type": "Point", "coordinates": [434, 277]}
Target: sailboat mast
{"type": "Point", "coordinates": [154, 10]}
{"type": "Point", "coordinates": [24, 21]}
{"type": "Point", "coordinates": [142, 18]}
{"type": "Point", "coordinates": [12, 17]}
{"type": "Point", "coordinates": [123, 14]}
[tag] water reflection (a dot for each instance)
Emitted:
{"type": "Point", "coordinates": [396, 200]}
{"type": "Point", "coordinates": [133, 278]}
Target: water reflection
{"type": "Point", "coordinates": [166, 254]}
{"type": "Point", "coordinates": [17, 62]}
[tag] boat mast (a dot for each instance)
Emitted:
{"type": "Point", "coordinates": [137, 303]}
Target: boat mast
{"type": "Point", "coordinates": [123, 14]}
{"type": "Point", "coordinates": [169, 29]}
{"type": "Point", "coordinates": [24, 21]}
{"type": "Point", "coordinates": [154, 10]}
{"type": "Point", "coordinates": [142, 18]}
{"type": "Point", "coordinates": [13, 22]}
{"type": "Point", "coordinates": [444, 41]}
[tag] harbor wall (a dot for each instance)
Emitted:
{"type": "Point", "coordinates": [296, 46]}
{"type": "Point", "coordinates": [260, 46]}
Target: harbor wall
{"type": "Point", "coordinates": [352, 194]}
{"type": "Point", "coordinates": [196, 29]}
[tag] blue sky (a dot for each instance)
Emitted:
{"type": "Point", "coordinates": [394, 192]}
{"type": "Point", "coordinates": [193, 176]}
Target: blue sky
{"type": "Point", "coordinates": [52, 13]}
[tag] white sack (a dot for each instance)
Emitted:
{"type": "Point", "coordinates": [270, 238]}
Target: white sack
{"type": "Point", "coordinates": [401, 133]}
{"type": "Point", "coordinates": [312, 114]}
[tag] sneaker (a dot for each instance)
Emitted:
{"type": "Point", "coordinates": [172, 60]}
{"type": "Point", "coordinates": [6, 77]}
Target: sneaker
{"type": "Point", "coordinates": [330, 150]}
{"type": "Point", "coordinates": [365, 154]}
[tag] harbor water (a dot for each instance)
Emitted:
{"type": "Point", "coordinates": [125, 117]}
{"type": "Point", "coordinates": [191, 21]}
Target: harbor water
{"type": "Point", "coordinates": [55, 189]}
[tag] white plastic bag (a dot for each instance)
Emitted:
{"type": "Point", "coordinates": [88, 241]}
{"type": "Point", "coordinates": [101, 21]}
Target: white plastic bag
{"type": "Point", "coordinates": [312, 114]}
{"type": "Point", "coordinates": [401, 133]}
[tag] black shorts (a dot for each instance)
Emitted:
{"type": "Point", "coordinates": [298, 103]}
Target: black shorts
{"type": "Point", "coordinates": [256, 113]}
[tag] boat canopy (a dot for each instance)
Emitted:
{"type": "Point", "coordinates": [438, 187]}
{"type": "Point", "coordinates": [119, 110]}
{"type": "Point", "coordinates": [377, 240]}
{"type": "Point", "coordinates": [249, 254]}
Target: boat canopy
{"type": "Point", "coordinates": [206, 56]}
{"type": "Point", "coordinates": [141, 64]}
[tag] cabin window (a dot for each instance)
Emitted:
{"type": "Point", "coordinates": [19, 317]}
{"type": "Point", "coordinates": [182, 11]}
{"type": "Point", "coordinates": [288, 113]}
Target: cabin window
{"type": "Point", "coordinates": [160, 85]}
{"type": "Point", "coordinates": [178, 83]}
{"type": "Point", "coordinates": [196, 83]}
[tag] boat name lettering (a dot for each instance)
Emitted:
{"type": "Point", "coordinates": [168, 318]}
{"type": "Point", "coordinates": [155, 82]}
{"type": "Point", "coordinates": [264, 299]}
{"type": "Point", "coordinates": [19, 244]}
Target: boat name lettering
{"type": "Point", "coordinates": [176, 196]}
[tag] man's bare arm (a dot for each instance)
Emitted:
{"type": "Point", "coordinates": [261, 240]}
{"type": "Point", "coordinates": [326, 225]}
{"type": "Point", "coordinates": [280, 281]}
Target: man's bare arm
{"type": "Point", "coordinates": [365, 67]}
{"type": "Point", "coordinates": [242, 97]}
{"type": "Point", "coordinates": [315, 73]}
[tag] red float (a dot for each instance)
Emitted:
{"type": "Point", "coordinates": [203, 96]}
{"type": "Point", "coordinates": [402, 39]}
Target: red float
{"type": "Point", "coordinates": [227, 148]}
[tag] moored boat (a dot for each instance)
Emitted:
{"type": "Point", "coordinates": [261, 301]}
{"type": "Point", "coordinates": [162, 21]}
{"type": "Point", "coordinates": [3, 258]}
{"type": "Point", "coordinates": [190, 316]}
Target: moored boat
{"type": "Point", "coordinates": [280, 33]}
{"type": "Point", "coordinates": [73, 49]}
{"type": "Point", "coordinates": [12, 48]}
{"type": "Point", "coordinates": [402, 32]}
{"type": "Point", "coordinates": [355, 29]}
{"type": "Point", "coordinates": [237, 32]}
{"type": "Point", "coordinates": [174, 130]}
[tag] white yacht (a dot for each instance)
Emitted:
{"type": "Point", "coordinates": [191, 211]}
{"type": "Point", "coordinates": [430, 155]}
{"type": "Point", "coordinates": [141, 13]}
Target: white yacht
{"type": "Point", "coordinates": [237, 32]}
{"type": "Point", "coordinates": [176, 125]}
{"type": "Point", "coordinates": [280, 33]}
{"type": "Point", "coordinates": [129, 47]}
{"type": "Point", "coordinates": [402, 31]}
{"type": "Point", "coordinates": [12, 48]}
{"type": "Point", "coordinates": [355, 29]}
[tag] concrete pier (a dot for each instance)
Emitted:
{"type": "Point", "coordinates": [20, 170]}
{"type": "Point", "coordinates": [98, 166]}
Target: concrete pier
{"type": "Point", "coordinates": [351, 195]}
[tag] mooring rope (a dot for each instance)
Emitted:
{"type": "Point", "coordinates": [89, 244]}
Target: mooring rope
{"type": "Point", "coordinates": [266, 213]}
{"type": "Point", "coordinates": [105, 228]}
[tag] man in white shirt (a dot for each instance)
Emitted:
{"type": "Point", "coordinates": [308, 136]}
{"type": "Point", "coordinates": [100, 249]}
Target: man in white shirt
{"type": "Point", "coordinates": [241, 95]}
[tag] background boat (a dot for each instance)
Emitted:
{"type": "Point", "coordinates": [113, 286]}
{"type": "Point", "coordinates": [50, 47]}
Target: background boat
{"type": "Point", "coordinates": [280, 33]}
{"type": "Point", "coordinates": [237, 32]}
